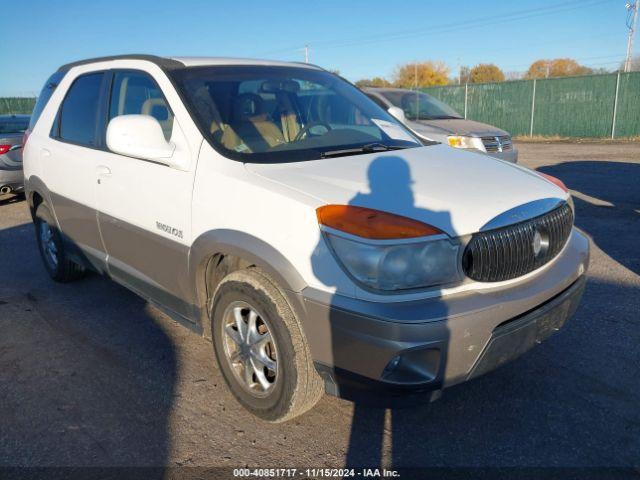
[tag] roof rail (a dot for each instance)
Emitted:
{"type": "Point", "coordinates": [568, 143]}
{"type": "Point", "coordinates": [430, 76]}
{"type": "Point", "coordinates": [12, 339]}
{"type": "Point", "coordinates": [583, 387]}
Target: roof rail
{"type": "Point", "coordinates": [165, 63]}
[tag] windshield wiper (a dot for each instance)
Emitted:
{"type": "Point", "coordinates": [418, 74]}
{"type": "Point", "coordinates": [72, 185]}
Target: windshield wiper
{"type": "Point", "coordinates": [369, 148]}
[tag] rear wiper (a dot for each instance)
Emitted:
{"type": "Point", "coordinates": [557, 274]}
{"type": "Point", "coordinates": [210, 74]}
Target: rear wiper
{"type": "Point", "coordinates": [369, 148]}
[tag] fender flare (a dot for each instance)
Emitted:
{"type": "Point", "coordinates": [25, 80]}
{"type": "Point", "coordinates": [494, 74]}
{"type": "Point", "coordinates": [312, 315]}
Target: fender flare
{"type": "Point", "coordinates": [251, 249]}
{"type": "Point", "coordinates": [35, 184]}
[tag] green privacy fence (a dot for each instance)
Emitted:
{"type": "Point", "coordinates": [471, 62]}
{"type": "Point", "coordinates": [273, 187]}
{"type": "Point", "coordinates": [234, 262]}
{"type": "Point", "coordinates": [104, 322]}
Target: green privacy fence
{"type": "Point", "coordinates": [16, 105]}
{"type": "Point", "coordinates": [586, 106]}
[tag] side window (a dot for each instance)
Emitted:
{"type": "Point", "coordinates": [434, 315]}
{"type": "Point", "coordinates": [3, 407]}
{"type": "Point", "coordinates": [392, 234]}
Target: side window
{"type": "Point", "coordinates": [43, 98]}
{"type": "Point", "coordinates": [137, 93]}
{"type": "Point", "coordinates": [79, 110]}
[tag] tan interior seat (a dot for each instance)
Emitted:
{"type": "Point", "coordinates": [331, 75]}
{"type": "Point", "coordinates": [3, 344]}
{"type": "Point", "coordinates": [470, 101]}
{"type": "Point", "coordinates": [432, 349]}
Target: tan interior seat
{"type": "Point", "coordinates": [152, 104]}
{"type": "Point", "coordinates": [288, 117]}
{"type": "Point", "coordinates": [251, 126]}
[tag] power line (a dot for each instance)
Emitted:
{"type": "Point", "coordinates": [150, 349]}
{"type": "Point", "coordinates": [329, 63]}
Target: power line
{"type": "Point", "coordinates": [521, 46]}
{"type": "Point", "coordinates": [477, 23]}
{"type": "Point", "coordinates": [451, 27]}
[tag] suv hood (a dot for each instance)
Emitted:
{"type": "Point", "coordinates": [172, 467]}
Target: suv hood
{"type": "Point", "coordinates": [456, 191]}
{"type": "Point", "coordinates": [458, 126]}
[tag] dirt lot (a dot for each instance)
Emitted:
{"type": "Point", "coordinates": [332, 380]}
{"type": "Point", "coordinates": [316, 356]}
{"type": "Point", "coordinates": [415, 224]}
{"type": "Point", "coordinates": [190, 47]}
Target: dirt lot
{"type": "Point", "coordinates": [92, 375]}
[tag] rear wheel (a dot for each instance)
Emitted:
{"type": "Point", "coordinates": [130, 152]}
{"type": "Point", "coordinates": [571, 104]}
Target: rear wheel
{"type": "Point", "coordinates": [261, 349]}
{"type": "Point", "coordinates": [52, 249]}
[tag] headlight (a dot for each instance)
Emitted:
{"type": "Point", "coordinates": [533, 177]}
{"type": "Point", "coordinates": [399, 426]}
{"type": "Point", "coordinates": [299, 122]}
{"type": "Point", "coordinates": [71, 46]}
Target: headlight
{"type": "Point", "coordinates": [400, 266]}
{"type": "Point", "coordinates": [459, 141]}
{"type": "Point", "coordinates": [388, 252]}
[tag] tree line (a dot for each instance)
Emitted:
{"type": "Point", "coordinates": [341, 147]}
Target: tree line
{"type": "Point", "coordinates": [430, 73]}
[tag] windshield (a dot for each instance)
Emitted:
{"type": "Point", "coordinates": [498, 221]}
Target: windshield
{"type": "Point", "coordinates": [420, 106]}
{"type": "Point", "coordinates": [282, 114]}
{"type": "Point", "coordinates": [13, 125]}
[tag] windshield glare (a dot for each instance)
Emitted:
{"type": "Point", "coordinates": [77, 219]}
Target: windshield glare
{"type": "Point", "coordinates": [420, 106]}
{"type": "Point", "coordinates": [280, 114]}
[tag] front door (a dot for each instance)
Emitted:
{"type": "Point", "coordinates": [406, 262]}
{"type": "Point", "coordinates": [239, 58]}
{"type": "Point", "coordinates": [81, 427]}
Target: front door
{"type": "Point", "coordinates": [144, 208]}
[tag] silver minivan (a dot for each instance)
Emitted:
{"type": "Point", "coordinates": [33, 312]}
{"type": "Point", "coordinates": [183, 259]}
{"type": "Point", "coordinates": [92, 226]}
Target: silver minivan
{"type": "Point", "coordinates": [431, 119]}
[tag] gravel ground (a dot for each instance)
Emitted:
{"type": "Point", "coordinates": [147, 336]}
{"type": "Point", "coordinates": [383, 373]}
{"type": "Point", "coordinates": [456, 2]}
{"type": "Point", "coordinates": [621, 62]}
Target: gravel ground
{"type": "Point", "coordinates": [91, 375]}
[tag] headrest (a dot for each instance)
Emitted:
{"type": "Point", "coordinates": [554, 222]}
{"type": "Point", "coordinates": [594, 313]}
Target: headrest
{"type": "Point", "coordinates": [156, 107]}
{"type": "Point", "coordinates": [247, 105]}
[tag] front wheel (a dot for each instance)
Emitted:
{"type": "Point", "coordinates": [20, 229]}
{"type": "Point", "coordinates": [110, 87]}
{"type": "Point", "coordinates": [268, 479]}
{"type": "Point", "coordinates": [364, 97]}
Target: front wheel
{"type": "Point", "coordinates": [261, 348]}
{"type": "Point", "coordinates": [52, 249]}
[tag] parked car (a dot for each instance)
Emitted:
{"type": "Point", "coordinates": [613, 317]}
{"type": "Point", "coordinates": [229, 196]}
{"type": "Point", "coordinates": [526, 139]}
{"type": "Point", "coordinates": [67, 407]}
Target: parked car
{"type": "Point", "coordinates": [431, 119]}
{"type": "Point", "coordinates": [275, 208]}
{"type": "Point", "coordinates": [12, 128]}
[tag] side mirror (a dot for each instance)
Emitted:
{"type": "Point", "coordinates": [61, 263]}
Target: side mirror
{"type": "Point", "coordinates": [139, 136]}
{"type": "Point", "coordinates": [398, 113]}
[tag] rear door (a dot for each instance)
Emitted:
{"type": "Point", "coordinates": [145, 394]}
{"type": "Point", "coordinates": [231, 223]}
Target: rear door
{"type": "Point", "coordinates": [144, 208]}
{"type": "Point", "coordinates": [69, 162]}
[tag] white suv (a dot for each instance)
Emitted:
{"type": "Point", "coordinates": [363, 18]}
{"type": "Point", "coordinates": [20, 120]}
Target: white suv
{"type": "Point", "coordinates": [276, 209]}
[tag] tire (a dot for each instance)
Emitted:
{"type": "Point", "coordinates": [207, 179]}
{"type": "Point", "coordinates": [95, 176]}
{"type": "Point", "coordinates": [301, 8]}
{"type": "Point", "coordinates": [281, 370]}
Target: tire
{"type": "Point", "coordinates": [294, 386]}
{"type": "Point", "coordinates": [52, 249]}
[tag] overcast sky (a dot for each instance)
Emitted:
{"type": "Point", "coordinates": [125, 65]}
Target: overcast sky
{"type": "Point", "coordinates": [358, 38]}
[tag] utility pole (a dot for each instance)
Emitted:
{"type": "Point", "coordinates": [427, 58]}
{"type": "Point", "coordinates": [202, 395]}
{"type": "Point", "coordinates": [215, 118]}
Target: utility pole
{"type": "Point", "coordinates": [632, 23]}
{"type": "Point", "coordinates": [306, 54]}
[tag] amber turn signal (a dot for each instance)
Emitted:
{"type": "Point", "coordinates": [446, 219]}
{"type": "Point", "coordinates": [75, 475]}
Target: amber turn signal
{"type": "Point", "coordinates": [555, 181]}
{"type": "Point", "coordinates": [374, 224]}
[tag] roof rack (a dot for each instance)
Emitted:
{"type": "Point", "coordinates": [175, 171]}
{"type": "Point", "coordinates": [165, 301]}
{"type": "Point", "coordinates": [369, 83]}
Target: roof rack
{"type": "Point", "coordinates": [165, 63]}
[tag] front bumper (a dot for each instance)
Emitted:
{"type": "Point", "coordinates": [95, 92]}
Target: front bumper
{"type": "Point", "coordinates": [396, 351]}
{"type": "Point", "coordinates": [510, 156]}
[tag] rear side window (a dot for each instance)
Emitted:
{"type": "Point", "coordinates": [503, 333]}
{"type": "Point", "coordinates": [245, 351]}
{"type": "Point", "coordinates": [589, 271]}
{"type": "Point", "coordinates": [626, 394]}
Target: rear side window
{"type": "Point", "coordinates": [136, 93]}
{"type": "Point", "coordinates": [44, 97]}
{"type": "Point", "coordinates": [79, 111]}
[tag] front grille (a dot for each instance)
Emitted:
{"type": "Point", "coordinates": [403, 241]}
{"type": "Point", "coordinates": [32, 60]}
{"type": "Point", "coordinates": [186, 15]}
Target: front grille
{"type": "Point", "coordinates": [510, 252]}
{"type": "Point", "coordinates": [497, 144]}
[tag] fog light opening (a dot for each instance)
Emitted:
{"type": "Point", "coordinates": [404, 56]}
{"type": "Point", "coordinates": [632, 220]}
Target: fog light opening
{"type": "Point", "coordinates": [415, 366]}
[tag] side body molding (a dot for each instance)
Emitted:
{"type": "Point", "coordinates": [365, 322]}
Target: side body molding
{"type": "Point", "coordinates": [249, 248]}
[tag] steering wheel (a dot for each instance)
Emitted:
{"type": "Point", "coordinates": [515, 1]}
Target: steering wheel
{"type": "Point", "coordinates": [306, 130]}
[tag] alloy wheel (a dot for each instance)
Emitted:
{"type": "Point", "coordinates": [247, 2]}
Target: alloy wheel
{"type": "Point", "coordinates": [48, 245]}
{"type": "Point", "coordinates": [250, 348]}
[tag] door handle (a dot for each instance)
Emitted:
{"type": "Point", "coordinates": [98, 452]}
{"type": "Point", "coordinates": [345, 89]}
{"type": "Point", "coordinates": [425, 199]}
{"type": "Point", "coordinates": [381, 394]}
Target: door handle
{"type": "Point", "coordinates": [45, 152]}
{"type": "Point", "coordinates": [103, 171]}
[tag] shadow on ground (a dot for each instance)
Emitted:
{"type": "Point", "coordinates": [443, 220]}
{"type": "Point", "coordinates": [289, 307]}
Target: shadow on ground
{"type": "Point", "coordinates": [607, 201]}
{"type": "Point", "coordinates": [9, 199]}
{"type": "Point", "coordinates": [91, 386]}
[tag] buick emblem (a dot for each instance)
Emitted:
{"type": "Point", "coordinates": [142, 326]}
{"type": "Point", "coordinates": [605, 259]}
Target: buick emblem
{"type": "Point", "coordinates": [537, 244]}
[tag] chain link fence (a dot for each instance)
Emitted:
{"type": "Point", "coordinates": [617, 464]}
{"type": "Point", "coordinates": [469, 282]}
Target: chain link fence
{"type": "Point", "coordinates": [16, 105]}
{"type": "Point", "coordinates": [587, 106]}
